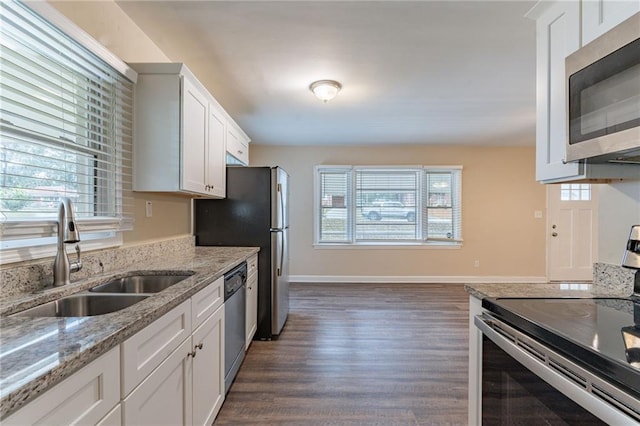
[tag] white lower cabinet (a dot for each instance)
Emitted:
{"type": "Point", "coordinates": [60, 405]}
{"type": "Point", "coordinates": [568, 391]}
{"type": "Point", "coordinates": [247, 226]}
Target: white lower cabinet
{"type": "Point", "coordinates": [208, 368]}
{"type": "Point", "coordinates": [251, 322]}
{"type": "Point", "coordinates": [169, 373]}
{"type": "Point", "coordinates": [185, 386]}
{"type": "Point", "coordinates": [84, 398]}
{"type": "Point", "coordinates": [114, 418]}
{"type": "Point", "coordinates": [145, 350]}
{"type": "Point", "coordinates": [164, 397]}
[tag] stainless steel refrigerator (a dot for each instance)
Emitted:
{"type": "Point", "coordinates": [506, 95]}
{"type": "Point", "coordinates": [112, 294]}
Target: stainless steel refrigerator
{"type": "Point", "coordinates": [254, 213]}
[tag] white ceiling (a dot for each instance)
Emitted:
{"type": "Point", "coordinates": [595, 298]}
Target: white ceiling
{"type": "Point", "coordinates": [421, 72]}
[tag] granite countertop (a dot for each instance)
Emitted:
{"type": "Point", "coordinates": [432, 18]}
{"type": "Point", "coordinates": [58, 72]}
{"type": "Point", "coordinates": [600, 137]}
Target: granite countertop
{"type": "Point", "coordinates": [552, 290]}
{"type": "Point", "coordinates": [36, 353]}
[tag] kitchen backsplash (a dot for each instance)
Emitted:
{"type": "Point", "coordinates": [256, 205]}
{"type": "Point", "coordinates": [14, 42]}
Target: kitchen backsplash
{"type": "Point", "coordinates": [35, 275]}
{"type": "Point", "coordinates": [613, 277]}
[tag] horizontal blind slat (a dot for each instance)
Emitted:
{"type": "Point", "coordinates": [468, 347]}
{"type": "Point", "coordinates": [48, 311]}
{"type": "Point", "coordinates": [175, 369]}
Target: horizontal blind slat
{"type": "Point", "coordinates": [66, 125]}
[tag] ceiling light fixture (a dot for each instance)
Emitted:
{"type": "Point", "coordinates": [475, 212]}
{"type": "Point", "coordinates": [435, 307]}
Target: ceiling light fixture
{"type": "Point", "coordinates": [325, 90]}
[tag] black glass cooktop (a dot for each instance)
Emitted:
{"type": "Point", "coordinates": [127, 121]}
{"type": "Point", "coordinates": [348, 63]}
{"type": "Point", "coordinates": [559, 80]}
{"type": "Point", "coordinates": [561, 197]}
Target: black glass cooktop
{"type": "Point", "coordinates": [601, 334]}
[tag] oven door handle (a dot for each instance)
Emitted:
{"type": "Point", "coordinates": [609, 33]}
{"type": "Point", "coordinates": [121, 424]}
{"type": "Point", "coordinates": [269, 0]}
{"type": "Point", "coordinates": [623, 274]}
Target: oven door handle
{"type": "Point", "coordinates": [588, 390]}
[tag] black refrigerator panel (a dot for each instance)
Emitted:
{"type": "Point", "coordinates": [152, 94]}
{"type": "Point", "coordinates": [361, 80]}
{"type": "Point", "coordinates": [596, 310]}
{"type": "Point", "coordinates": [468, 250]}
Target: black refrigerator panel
{"type": "Point", "coordinates": [243, 218]}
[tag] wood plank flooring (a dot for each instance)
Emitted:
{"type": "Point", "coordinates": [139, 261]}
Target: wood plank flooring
{"type": "Point", "coordinates": [359, 354]}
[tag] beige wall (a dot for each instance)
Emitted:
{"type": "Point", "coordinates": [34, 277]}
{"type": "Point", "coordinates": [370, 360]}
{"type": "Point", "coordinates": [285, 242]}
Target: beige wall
{"type": "Point", "coordinates": [499, 198]}
{"type": "Point", "coordinates": [107, 23]}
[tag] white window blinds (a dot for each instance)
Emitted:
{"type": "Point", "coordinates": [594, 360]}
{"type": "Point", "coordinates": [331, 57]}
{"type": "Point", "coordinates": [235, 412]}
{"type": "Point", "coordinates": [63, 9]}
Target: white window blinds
{"type": "Point", "coordinates": [65, 130]}
{"type": "Point", "coordinates": [389, 205]}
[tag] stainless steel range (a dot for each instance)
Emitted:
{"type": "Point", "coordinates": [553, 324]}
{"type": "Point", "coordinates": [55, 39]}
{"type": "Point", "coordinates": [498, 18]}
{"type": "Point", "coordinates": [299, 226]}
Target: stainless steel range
{"type": "Point", "coordinates": [563, 360]}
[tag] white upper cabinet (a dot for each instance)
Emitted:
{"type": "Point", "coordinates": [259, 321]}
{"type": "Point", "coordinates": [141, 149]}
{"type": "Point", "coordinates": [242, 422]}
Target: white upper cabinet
{"type": "Point", "coordinates": [194, 146]}
{"type": "Point", "coordinates": [216, 170]}
{"type": "Point", "coordinates": [558, 35]}
{"type": "Point", "coordinates": [237, 144]}
{"type": "Point", "coordinates": [599, 16]}
{"type": "Point", "coordinates": [558, 28]}
{"type": "Point", "coordinates": [180, 133]}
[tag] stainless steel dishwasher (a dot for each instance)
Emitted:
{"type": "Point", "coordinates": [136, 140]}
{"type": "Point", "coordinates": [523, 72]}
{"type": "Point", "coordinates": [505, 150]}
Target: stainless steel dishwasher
{"type": "Point", "coordinates": [234, 321]}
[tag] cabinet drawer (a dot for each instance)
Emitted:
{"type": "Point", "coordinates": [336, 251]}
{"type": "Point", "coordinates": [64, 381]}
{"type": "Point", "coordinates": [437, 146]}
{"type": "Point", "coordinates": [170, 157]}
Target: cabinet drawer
{"type": "Point", "coordinates": [206, 301]}
{"type": "Point", "coordinates": [144, 351]}
{"type": "Point", "coordinates": [84, 397]}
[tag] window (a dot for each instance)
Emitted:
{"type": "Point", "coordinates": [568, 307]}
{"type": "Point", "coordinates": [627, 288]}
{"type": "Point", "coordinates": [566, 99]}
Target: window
{"type": "Point", "coordinates": [575, 192]}
{"type": "Point", "coordinates": [378, 205]}
{"type": "Point", "coordinates": [65, 131]}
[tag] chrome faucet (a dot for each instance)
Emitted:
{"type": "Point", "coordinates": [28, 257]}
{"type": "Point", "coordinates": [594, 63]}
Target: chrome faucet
{"type": "Point", "coordinates": [67, 234]}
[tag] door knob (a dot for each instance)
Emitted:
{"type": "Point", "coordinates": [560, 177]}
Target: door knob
{"type": "Point", "coordinates": [554, 234]}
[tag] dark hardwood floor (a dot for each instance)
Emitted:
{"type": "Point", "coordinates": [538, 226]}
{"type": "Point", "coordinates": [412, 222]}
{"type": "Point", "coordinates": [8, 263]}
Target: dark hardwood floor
{"type": "Point", "coordinates": [359, 354]}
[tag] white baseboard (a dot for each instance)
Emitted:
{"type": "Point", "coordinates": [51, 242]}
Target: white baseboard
{"type": "Point", "coordinates": [414, 279]}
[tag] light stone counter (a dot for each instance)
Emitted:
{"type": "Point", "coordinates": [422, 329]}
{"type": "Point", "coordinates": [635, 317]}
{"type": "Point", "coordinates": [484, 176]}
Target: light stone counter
{"type": "Point", "coordinates": [608, 281]}
{"type": "Point", "coordinates": [36, 353]}
{"type": "Point", "coordinates": [552, 290]}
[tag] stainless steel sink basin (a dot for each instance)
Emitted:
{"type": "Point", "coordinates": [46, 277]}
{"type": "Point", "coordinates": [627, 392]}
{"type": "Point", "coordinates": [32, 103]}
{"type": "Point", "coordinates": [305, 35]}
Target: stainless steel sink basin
{"type": "Point", "coordinates": [140, 284]}
{"type": "Point", "coordinates": [83, 305]}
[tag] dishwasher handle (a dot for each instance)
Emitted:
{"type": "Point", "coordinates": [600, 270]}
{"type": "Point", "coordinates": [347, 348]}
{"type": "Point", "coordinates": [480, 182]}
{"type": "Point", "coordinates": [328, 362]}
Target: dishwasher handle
{"type": "Point", "coordinates": [235, 280]}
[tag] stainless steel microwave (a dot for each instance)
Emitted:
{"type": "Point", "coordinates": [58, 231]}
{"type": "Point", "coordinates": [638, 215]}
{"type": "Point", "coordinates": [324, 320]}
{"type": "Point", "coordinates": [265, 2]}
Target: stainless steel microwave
{"type": "Point", "coordinates": [603, 101]}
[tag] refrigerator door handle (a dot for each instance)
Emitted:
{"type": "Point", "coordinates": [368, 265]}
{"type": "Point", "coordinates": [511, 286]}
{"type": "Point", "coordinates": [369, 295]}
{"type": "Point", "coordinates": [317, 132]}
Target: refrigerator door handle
{"type": "Point", "coordinates": [281, 254]}
{"type": "Point", "coordinates": [282, 212]}
{"type": "Point", "coordinates": [281, 251]}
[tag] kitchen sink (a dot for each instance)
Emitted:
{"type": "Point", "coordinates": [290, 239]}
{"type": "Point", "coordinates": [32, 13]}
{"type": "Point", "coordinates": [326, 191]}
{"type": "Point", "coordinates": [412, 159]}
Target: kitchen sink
{"type": "Point", "coordinates": [139, 284]}
{"type": "Point", "coordinates": [83, 305]}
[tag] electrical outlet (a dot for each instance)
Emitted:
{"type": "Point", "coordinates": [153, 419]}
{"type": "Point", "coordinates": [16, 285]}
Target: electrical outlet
{"type": "Point", "coordinates": [537, 214]}
{"type": "Point", "coordinates": [476, 263]}
{"type": "Point", "coordinates": [148, 209]}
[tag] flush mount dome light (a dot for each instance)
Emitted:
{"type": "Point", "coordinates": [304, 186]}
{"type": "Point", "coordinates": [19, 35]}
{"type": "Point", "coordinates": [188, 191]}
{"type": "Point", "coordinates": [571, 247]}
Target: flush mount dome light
{"type": "Point", "coordinates": [325, 90]}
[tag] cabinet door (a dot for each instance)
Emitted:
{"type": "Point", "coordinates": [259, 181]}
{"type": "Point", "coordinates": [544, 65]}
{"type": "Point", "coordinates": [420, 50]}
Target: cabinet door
{"type": "Point", "coordinates": [208, 369]}
{"type": "Point", "coordinates": [558, 35]}
{"type": "Point", "coordinates": [252, 300]}
{"type": "Point", "coordinates": [114, 418]}
{"type": "Point", "coordinates": [216, 168]}
{"type": "Point", "coordinates": [85, 397]}
{"type": "Point", "coordinates": [164, 397]}
{"type": "Point", "coordinates": [195, 111]}
{"type": "Point", "coordinates": [146, 349]}
{"type": "Point", "coordinates": [237, 144]}
{"type": "Point", "coordinates": [599, 16]}
{"type": "Point", "coordinates": [252, 309]}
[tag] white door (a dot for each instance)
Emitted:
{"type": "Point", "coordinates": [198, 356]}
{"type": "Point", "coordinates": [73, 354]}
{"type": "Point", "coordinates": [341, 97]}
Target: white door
{"type": "Point", "coordinates": [572, 231]}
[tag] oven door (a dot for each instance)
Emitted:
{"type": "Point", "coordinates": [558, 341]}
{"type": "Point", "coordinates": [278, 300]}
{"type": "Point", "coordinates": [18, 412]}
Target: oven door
{"type": "Point", "coordinates": [524, 382]}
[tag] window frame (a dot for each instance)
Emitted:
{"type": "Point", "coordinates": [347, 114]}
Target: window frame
{"type": "Point", "coordinates": [34, 238]}
{"type": "Point", "coordinates": [421, 207]}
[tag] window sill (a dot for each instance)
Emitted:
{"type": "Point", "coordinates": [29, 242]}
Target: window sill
{"type": "Point", "coordinates": [389, 246]}
{"type": "Point", "coordinates": [27, 253]}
